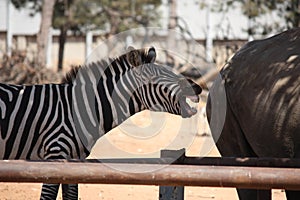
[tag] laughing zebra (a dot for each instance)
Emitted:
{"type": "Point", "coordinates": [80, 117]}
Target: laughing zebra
{"type": "Point", "coordinates": [63, 121]}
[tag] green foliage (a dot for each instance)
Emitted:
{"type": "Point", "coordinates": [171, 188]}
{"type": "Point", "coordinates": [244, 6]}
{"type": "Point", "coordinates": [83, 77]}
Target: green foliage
{"type": "Point", "coordinates": [287, 10]}
{"type": "Point", "coordinates": [22, 3]}
{"type": "Point", "coordinates": [34, 5]}
{"type": "Point", "coordinates": [82, 15]}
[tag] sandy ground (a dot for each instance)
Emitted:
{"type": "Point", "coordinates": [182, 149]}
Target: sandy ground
{"type": "Point", "coordinates": [144, 135]}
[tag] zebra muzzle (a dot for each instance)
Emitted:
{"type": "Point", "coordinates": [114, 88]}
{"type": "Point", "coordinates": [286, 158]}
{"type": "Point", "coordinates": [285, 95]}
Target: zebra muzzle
{"type": "Point", "coordinates": [189, 105]}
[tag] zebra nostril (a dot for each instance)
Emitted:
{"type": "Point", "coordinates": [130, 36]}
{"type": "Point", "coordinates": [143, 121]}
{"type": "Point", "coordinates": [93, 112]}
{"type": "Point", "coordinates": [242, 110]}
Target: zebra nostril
{"type": "Point", "coordinates": [197, 89]}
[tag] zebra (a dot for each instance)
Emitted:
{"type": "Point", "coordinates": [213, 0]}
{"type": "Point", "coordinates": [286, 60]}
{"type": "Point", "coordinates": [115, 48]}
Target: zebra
{"type": "Point", "coordinates": [63, 121]}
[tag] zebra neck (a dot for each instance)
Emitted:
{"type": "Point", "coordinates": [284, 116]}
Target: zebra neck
{"type": "Point", "coordinates": [100, 106]}
{"type": "Point", "coordinates": [122, 102]}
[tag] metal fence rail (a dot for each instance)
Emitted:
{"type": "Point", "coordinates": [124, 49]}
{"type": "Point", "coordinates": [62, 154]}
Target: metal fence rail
{"type": "Point", "coordinates": [171, 172]}
{"type": "Point", "coordinates": [208, 161]}
{"type": "Point", "coordinates": [180, 175]}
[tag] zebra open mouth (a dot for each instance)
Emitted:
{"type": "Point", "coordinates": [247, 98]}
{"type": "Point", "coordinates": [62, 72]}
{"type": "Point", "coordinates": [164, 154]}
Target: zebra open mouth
{"type": "Point", "coordinates": [189, 105]}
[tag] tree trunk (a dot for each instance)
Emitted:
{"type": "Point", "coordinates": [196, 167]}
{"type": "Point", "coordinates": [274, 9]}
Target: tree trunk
{"type": "Point", "coordinates": [42, 36]}
{"type": "Point", "coordinates": [62, 41]}
{"type": "Point", "coordinates": [172, 14]}
{"type": "Point", "coordinates": [171, 40]}
{"type": "Point", "coordinates": [298, 14]}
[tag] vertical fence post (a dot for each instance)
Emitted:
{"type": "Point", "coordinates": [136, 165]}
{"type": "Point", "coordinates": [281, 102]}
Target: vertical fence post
{"type": "Point", "coordinates": [172, 192]}
{"type": "Point", "coordinates": [9, 34]}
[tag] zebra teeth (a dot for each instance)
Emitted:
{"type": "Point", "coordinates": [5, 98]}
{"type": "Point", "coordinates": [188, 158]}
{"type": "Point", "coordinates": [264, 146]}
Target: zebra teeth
{"type": "Point", "coordinates": [192, 101]}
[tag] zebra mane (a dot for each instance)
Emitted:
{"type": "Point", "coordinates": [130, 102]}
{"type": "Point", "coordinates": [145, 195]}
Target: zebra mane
{"type": "Point", "coordinates": [103, 63]}
{"type": "Point", "coordinates": [70, 75]}
{"type": "Point", "coordinates": [132, 58]}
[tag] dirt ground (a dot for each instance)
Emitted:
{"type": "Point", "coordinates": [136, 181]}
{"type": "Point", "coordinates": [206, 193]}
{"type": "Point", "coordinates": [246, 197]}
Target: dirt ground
{"type": "Point", "coordinates": [144, 135]}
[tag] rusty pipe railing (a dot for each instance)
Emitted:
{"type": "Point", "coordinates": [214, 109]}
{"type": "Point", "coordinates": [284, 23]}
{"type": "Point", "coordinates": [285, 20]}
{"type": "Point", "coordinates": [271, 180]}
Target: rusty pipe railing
{"type": "Point", "coordinates": [187, 175]}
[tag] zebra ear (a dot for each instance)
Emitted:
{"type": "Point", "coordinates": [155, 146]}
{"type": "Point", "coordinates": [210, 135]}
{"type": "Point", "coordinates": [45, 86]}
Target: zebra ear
{"type": "Point", "coordinates": [134, 57]}
{"type": "Point", "coordinates": [151, 55]}
{"type": "Point", "coordinates": [130, 48]}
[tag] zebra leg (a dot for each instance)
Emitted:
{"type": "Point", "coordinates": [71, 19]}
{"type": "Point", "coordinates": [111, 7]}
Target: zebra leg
{"type": "Point", "coordinates": [70, 191]}
{"type": "Point", "coordinates": [49, 191]}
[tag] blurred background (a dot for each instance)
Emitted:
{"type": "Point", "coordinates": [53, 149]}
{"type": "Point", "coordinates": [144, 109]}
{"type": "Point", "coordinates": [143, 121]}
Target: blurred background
{"type": "Point", "coordinates": [40, 40]}
{"type": "Point", "coordinates": [42, 37]}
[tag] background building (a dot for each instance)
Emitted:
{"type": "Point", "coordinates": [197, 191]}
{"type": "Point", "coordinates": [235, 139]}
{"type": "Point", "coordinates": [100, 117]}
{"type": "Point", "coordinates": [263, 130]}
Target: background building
{"type": "Point", "coordinates": [219, 33]}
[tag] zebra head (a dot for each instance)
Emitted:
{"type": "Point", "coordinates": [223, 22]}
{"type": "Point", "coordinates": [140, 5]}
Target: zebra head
{"type": "Point", "coordinates": [164, 91]}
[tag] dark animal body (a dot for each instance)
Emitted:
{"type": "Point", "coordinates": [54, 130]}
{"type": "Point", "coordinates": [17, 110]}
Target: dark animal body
{"type": "Point", "coordinates": [262, 85]}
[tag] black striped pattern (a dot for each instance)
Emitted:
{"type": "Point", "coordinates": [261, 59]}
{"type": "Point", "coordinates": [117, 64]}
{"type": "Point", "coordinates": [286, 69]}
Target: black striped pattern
{"type": "Point", "coordinates": [36, 123]}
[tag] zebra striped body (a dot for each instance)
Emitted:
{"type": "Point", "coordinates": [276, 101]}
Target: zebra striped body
{"type": "Point", "coordinates": [36, 123]}
{"type": "Point", "coordinates": [61, 121]}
